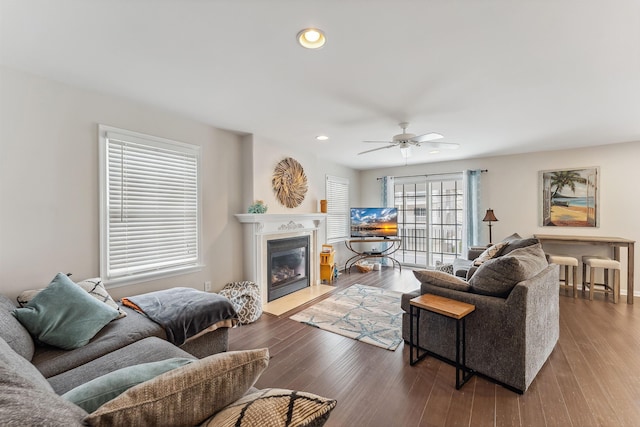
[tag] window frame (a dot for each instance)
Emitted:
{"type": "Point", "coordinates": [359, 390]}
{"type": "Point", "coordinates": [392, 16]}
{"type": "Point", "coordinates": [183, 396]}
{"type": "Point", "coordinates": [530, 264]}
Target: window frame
{"type": "Point", "coordinates": [336, 213]}
{"type": "Point", "coordinates": [413, 247]}
{"type": "Point", "coordinates": [107, 276]}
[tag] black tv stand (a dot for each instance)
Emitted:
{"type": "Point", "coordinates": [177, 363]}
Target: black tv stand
{"type": "Point", "coordinates": [396, 243]}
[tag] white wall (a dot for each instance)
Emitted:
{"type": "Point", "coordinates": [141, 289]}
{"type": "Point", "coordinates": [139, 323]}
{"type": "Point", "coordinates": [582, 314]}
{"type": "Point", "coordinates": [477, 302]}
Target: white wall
{"type": "Point", "coordinates": [49, 184]}
{"type": "Point", "coordinates": [266, 155]}
{"type": "Point", "coordinates": [511, 189]}
{"type": "Point", "coordinates": [49, 219]}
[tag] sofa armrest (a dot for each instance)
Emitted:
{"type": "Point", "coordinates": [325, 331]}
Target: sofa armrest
{"type": "Point", "coordinates": [475, 251]}
{"type": "Point", "coordinates": [461, 266]}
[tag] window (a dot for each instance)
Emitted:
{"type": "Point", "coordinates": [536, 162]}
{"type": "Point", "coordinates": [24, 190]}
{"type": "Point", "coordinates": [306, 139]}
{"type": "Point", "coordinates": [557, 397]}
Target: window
{"type": "Point", "coordinates": [149, 206]}
{"type": "Point", "coordinates": [337, 193]}
{"type": "Point", "coordinates": [430, 218]}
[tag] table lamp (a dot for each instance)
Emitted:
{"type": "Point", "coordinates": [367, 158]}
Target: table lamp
{"type": "Point", "coordinates": [488, 217]}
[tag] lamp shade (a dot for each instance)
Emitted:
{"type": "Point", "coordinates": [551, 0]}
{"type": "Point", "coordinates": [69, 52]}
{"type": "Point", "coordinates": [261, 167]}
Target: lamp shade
{"type": "Point", "coordinates": [489, 216]}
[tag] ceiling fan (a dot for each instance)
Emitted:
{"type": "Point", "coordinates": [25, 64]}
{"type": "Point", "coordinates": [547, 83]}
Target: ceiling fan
{"type": "Point", "coordinates": [406, 140]}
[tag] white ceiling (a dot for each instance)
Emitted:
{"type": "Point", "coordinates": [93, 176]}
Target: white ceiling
{"type": "Point", "coordinates": [495, 76]}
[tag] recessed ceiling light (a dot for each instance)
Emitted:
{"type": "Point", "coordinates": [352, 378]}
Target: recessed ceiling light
{"type": "Point", "coordinates": [311, 38]}
{"type": "Point", "coordinates": [322, 137]}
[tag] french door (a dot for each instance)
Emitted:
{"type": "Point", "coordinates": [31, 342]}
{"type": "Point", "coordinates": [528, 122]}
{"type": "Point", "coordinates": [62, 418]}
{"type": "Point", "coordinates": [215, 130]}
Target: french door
{"type": "Point", "coordinates": [430, 219]}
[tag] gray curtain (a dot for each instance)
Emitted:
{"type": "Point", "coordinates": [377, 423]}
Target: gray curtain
{"type": "Point", "coordinates": [387, 191]}
{"type": "Point", "coordinates": [387, 201]}
{"type": "Point", "coordinates": [471, 179]}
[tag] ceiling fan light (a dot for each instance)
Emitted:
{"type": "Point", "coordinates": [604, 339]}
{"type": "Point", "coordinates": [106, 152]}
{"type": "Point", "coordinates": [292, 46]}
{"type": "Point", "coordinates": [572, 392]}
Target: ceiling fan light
{"type": "Point", "coordinates": [311, 38]}
{"type": "Point", "coordinates": [405, 151]}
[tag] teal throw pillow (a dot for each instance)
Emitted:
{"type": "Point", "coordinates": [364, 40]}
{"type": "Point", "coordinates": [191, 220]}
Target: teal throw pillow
{"type": "Point", "coordinates": [93, 394]}
{"type": "Point", "coordinates": [64, 315]}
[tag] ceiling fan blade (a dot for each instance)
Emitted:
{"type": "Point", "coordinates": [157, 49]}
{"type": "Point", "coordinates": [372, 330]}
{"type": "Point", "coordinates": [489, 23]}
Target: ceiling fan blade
{"type": "Point", "coordinates": [443, 145]}
{"type": "Point", "coordinates": [427, 137]}
{"type": "Point", "coordinates": [376, 149]}
{"type": "Point", "coordinates": [377, 142]}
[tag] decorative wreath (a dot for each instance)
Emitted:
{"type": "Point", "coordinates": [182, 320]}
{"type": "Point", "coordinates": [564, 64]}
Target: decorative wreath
{"type": "Point", "coordinates": [289, 182]}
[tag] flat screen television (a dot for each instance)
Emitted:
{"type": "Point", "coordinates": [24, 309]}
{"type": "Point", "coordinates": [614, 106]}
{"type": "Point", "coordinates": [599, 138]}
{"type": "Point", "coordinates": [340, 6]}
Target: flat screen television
{"type": "Point", "coordinates": [374, 222]}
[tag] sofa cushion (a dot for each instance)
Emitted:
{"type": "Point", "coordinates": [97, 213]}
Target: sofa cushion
{"type": "Point", "coordinates": [135, 327]}
{"type": "Point", "coordinates": [152, 349]}
{"type": "Point", "coordinates": [498, 276]}
{"type": "Point", "coordinates": [25, 404]}
{"type": "Point", "coordinates": [12, 331]}
{"type": "Point", "coordinates": [92, 394]}
{"type": "Point", "coordinates": [26, 398]}
{"type": "Point", "coordinates": [514, 236]}
{"type": "Point", "coordinates": [408, 296]}
{"type": "Point", "coordinates": [178, 397]}
{"type": "Point", "coordinates": [517, 244]}
{"type": "Point", "coordinates": [64, 315]}
{"type": "Point", "coordinates": [441, 279]}
{"type": "Point", "coordinates": [489, 253]}
{"type": "Point", "coordinates": [94, 287]}
{"type": "Point", "coordinates": [274, 408]}
{"type": "Point", "coordinates": [12, 360]}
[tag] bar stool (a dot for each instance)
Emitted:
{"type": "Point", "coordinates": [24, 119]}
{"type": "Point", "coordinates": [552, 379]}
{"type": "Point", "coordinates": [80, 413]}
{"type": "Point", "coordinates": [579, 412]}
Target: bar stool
{"type": "Point", "coordinates": [566, 262]}
{"type": "Point", "coordinates": [607, 264]}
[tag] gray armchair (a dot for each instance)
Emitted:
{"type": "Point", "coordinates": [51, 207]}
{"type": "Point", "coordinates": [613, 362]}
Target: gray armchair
{"type": "Point", "coordinates": [507, 338]}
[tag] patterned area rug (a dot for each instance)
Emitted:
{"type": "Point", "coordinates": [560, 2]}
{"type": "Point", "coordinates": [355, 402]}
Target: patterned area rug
{"type": "Point", "coordinates": [367, 314]}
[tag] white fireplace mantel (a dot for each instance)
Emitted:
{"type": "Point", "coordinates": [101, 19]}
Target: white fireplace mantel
{"type": "Point", "coordinates": [259, 228]}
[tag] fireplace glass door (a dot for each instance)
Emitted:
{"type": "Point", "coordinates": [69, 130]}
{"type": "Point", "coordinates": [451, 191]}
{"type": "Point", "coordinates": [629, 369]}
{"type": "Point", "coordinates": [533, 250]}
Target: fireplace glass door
{"type": "Point", "coordinates": [287, 266]}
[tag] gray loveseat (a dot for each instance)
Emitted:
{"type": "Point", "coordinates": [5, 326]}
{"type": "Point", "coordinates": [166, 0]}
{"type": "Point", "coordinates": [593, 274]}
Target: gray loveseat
{"type": "Point", "coordinates": [511, 333]}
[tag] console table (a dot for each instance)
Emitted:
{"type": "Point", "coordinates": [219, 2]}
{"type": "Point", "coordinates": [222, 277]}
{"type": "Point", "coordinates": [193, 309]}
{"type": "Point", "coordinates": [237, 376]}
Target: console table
{"type": "Point", "coordinates": [614, 242]}
{"type": "Point", "coordinates": [360, 255]}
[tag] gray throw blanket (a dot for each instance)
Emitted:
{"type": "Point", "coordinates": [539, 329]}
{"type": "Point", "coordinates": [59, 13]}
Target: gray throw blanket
{"type": "Point", "coordinates": [183, 312]}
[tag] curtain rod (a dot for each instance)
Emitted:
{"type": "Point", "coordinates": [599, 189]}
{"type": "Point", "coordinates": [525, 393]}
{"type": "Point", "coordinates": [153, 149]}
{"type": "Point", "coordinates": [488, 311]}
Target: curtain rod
{"type": "Point", "coordinates": [428, 175]}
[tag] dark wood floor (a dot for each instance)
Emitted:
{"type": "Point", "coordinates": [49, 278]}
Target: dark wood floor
{"type": "Point", "coordinates": [592, 378]}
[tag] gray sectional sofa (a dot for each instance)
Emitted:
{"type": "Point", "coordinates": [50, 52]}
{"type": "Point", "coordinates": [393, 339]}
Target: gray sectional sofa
{"type": "Point", "coordinates": [210, 387]}
{"type": "Point", "coordinates": [515, 325]}
{"type": "Point", "coordinates": [131, 340]}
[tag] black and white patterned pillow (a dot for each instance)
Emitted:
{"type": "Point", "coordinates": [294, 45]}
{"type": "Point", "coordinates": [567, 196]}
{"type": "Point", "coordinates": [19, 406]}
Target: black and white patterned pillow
{"type": "Point", "coordinates": [447, 268]}
{"type": "Point", "coordinates": [274, 408]}
{"type": "Point", "coordinates": [246, 300]}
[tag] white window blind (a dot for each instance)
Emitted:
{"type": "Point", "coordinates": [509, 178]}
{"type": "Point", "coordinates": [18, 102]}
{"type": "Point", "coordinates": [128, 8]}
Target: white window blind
{"type": "Point", "coordinates": [337, 193]}
{"type": "Point", "coordinates": [150, 206]}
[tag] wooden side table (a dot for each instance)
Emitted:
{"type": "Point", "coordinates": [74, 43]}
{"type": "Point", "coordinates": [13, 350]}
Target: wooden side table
{"type": "Point", "coordinates": [447, 307]}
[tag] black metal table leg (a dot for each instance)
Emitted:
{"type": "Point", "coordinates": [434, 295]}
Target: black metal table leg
{"type": "Point", "coordinates": [463, 374]}
{"type": "Point", "coordinates": [414, 313]}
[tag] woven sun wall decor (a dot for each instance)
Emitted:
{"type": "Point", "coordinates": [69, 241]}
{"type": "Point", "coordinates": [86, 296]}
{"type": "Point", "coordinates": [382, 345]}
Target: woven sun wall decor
{"type": "Point", "coordinates": [289, 182]}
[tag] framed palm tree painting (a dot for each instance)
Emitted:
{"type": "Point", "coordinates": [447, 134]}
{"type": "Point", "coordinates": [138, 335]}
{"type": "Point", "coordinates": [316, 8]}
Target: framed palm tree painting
{"type": "Point", "coordinates": [570, 197]}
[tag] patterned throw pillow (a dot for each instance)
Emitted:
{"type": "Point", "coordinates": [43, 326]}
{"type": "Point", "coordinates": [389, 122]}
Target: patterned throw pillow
{"type": "Point", "coordinates": [246, 300]}
{"type": "Point", "coordinates": [96, 289]}
{"type": "Point", "coordinates": [447, 268]}
{"type": "Point", "coordinates": [185, 396]}
{"type": "Point", "coordinates": [274, 408]}
{"type": "Point", "coordinates": [94, 286]}
{"type": "Point", "coordinates": [489, 253]}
